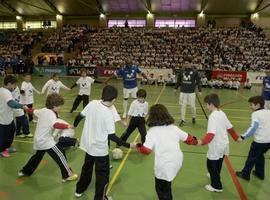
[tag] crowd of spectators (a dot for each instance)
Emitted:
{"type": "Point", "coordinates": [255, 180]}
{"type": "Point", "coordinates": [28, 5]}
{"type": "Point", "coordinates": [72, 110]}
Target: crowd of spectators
{"type": "Point", "coordinates": [65, 39]}
{"type": "Point", "coordinates": [240, 48]}
{"type": "Point", "coordinates": [15, 51]}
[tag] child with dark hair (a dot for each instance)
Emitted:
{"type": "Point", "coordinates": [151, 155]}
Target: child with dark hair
{"type": "Point", "coordinates": [136, 116]}
{"type": "Point", "coordinates": [44, 140]}
{"type": "Point", "coordinates": [163, 139]}
{"type": "Point", "coordinates": [53, 85]}
{"type": "Point", "coordinates": [85, 83]}
{"type": "Point", "coordinates": [27, 92]}
{"type": "Point", "coordinates": [98, 128]}
{"type": "Point", "coordinates": [259, 129]}
{"type": "Point", "coordinates": [217, 140]}
{"type": "Point", "coordinates": [7, 104]}
{"type": "Point", "coordinates": [21, 119]}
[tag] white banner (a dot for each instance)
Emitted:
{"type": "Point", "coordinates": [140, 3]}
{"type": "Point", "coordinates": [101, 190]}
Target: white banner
{"type": "Point", "coordinates": [158, 71]}
{"type": "Point", "coordinates": [256, 77]}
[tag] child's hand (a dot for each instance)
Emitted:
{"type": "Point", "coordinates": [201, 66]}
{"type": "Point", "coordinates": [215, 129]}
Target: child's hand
{"type": "Point", "coordinates": [199, 142]}
{"type": "Point", "coordinates": [71, 126]}
{"type": "Point", "coordinates": [239, 140]}
{"type": "Point", "coordinates": [133, 145]}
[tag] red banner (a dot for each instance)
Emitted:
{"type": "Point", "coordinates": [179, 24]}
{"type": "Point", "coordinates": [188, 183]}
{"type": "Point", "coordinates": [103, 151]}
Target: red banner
{"type": "Point", "coordinates": [229, 75]}
{"type": "Point", "coordinates": [106, 71]}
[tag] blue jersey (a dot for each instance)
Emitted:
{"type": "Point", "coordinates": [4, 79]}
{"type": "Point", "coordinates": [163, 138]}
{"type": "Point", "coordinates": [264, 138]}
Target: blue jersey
{"type": "Point", "coordinates": [266, 88]}
{"type": "Point", "coordinates": [129, 75]}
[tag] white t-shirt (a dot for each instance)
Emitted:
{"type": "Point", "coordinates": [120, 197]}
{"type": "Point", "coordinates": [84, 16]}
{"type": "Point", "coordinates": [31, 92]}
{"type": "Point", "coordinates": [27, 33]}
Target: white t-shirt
{"type": "Point", "coordinates": [164, 141]}
{"type": "Point", "coordinates": [53, 87]}
{"type": "Point", "coordinates": [6, 113]}
{"type": "Point", "coordinates": [43, 138]}
{"type": "Point", "coordinates": [218, 124]}
{"type": "Point", "coordinates": [85, 85]}
{"type": "Point", "coordinates": [28, 96]}
{"type": "Point", "coordinates": [116, 116]}
{"type": "Point", "coordinates": [262, 134]}
{"type": "Point", "coordinates": [138, 109]}
{"type": "Point", "coordinates": [99, 123]}
{"type": "Point", "coordinates": [17, 97]}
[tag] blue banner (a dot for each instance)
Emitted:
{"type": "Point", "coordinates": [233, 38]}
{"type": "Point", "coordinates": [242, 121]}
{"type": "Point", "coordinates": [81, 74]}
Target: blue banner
{"type": "Point", "coordinates": [50, 70]}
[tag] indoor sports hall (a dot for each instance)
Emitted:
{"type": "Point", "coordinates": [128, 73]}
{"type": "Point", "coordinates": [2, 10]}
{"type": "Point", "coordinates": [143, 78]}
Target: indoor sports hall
{"type": "Point", "coordinates": [225, 42]}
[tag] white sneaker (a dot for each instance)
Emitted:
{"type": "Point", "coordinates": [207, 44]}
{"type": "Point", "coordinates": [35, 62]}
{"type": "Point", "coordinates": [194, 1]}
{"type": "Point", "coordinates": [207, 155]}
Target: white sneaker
{"type": "Point", "coordinates": [211, 189]}
{"type": "Point", "coordinates": [21, 136]}
{"type": "Point", "coordinates": [208, 175]}
{"type": "Point", "coordinates": [72, 177]}
{"type": "Point", "coordinates": [21, 174]}
{"type": "Point", "coordinates": [30, 135]}
{"type": "Point", "coordinates": [124, 115]}
{"type": "Point", "coordinates": [78, 195]}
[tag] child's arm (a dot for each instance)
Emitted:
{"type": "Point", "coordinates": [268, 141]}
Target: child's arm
{"type": "Point", "coordinates": [207, 139]}
{"type": "Point", "coordinates": [233, 133]}
{"type": "Point", "coordinates": [37, 91]}
{"type": "Point", "coordinates": [61, 126]}
{"type": "Point", "coordinates": [191, 140]}
{"type": "Point", "coordinates": [118, 141]}
{"type": "Point", "coordinates": [251, 130]}
{"type": "Point", "coordinates": [77, 120]}
{"type": "Point", "coordinates": [64, 86]}
{"type": "Point", "coordinates": [44, 87]}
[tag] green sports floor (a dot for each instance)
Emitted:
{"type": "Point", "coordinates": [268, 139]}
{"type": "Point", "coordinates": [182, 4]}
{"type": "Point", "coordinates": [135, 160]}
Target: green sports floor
{"type": "Point", "coordinates": [132, 177]}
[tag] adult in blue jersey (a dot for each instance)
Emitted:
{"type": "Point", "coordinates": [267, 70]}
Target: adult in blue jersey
{"type": "Point", "coordinates": [129, 74]}
{"type": "Point", "coordinates": [266, 90]}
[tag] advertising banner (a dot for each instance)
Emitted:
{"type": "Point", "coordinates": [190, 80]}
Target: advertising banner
{"type": "Point", "coordinates": [50, 70]}
{"type": "Point", "coordinates": [241, 76]}
{"type": "Point", "coordinates": [76, 71]}
{"type": "Point", "coordinates": [256, 77]}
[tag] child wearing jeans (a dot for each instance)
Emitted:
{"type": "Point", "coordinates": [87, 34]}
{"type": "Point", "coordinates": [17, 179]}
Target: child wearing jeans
{"type": "Point", "coordinates": [163, 139]}
{"type": "Point", "coordinates": [21, 119]}
{"type": "Point", "coordinates": [259, 129]}
{"type": "Point", "coordinates": [44, 140]}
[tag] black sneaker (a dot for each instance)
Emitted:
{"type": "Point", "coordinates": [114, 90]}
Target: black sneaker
{"type": "Point", "coordinates": [182, 122]}
{"type": "Point", "coordinates": [193, 120]}
{"type": "Point", "coordinates": [240, 175]}
{"type": "Point", "coordinates": [255, 174]}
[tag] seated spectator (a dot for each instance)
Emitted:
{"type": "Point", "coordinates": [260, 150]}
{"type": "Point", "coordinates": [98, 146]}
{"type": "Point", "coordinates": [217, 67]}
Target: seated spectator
{"type": "Point", "coordinates": [247, 84]}
{"type": "Point", "coordinates": [152, 80]}
{"type": "Point", "coordinates": [160, 80]}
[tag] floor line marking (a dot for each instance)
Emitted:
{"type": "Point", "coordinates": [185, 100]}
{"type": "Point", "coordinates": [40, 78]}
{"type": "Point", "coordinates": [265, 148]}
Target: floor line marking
{"type": "Point", "coordinates": [119, 169]}
{"type": "Point", "coordinates": [236, 182]}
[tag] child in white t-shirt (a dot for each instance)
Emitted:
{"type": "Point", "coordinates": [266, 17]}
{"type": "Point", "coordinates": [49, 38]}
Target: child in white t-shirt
{"type": "Point", "coordinates": [53, 85]}
{"type": "Point", "coordinates": [163, 139]}
{"type": "Point", "coordinates": [27, 91]}
{"type": "Point", "coordinates": [44, 140]}
{"type": "Point", "coordinates": [259, 129]}
{"type": "Point", "coordinates": [217, 140]}
{"type": "Point", "coordinates": [85, 83]}
{"type": "Point", "coordinates": [136, 116]}
{"type": "Point", "coordinates": [21, 119]}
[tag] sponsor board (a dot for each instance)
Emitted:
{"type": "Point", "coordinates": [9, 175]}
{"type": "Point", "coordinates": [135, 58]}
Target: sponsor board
{"type": "Point", "coordinates": [50, 70]}
{"type": "Point", "coordinates": [256, 77]}
{"type": "Point", "coordinates": [229, 75]}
